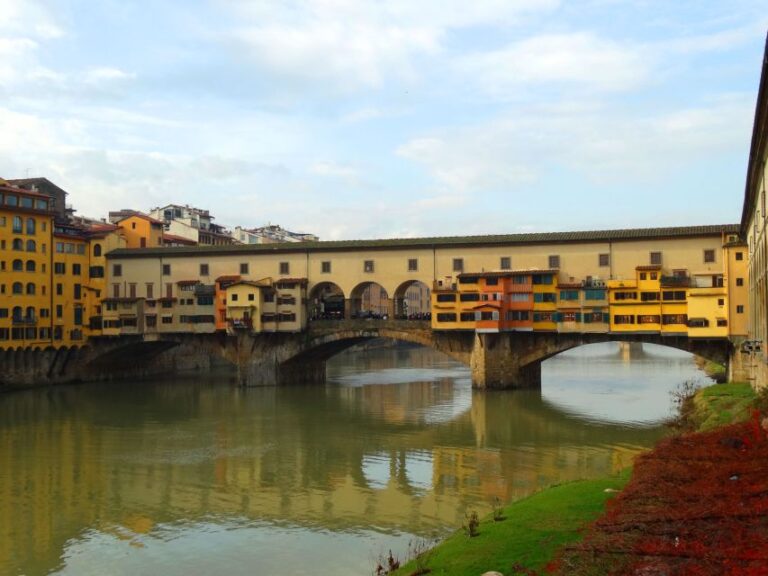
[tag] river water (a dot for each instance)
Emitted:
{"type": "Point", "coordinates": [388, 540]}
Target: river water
{"type": "Point", "coordinates": [195, 476]}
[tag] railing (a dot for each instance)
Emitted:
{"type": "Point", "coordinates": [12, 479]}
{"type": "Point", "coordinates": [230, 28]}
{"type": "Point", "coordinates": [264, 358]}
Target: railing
{"type": "Point", "coordinates": [240, 323]}
{"type": "Point", "coordinates": [26, 321]}
{"type": "Point", "coordinates": [676, 281]}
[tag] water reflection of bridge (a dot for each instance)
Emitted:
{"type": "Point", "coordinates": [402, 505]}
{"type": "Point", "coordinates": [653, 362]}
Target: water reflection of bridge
{"type": "Point", "coordinates": [101, 457]}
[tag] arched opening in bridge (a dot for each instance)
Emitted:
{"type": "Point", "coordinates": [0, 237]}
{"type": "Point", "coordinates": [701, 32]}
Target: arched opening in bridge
{"type": "Point", "coordinates": [412, 301]}
{"type": "Point", "coordinates": [369, 300]}
{"type": "Point", "coordinates": [620, 382]}
{"type": "Point", "coordinates": [326, 302]}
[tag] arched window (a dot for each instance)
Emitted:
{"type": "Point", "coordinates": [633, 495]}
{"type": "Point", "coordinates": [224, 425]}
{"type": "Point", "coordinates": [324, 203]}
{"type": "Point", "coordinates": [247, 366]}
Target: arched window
{"type": "Point", "coordinates": [17, 224]}
{"type": "Point", "coordinates": [18, 266]}
{"type": "Point", "coordinates": [18, 288]}
{"type": "Point", "coordinates": [30, 265]}
{"type": "Point", "coordinates": [17, 313]}
{"type": "Point", "coordinates": [18, 244]}
{"type": "Point", "coordinates": [30, 225]}
{"type": "Point", "coordinates": [30, 312]}
{"type": "Point", "coordinates": [30, 288]}
{"type": "Point", "coordinates": [97, 249]}
{"type": "Point", "coordinates": [31, 246]}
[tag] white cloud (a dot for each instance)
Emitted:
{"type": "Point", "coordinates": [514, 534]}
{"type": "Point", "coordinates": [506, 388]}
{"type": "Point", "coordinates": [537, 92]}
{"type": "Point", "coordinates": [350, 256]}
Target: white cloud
{"type": "Point", "coordinates": [580, 59]}
{"type": "Point", "coordinates": [359, 44]}
{"type": "Point", "coordinates": [106, 74]}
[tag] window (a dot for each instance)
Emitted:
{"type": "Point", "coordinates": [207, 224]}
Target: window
{"type": "Point", "coordinates": [446, 317]}
{"type": "Point", "coordinates": [739, 255]}
{"type": "Point", "coordinates": [722, 322]}
{"type": "Point", "coordinates": [740, 309]}
{"type": "Point", "coordinates": [709, 256]}
{"type": "Point", "coordinates": [594, 294]}
{"type": "Point", "coordinates": [518, 315]}
{"type": "Point", "coordinates": [30, 225]}
{"type": "Point", "coordinates": [233, 297]}
{"type": "Point", "coordinates": [59, 289]}
{"type": "Point", "coordinates": [59, 311]}
{"type": "Point", "coordinates": [446, 298]}
{"type": "Point", "coordinates": [96, 272]}
{"type": "Point", "coordinates": [117, 270]}
{"type": "Point", "coordinates": [368, 266]}
{"type": "Point", "coordinates": [554, 262]}
{"type": "Point", "coordinates": [676, 295]}
{"type": "Point", "coordinates": [18, 244]}
{"type": "Point", "coordinates": [623, 319]}
{"type": "Point", "coordinates": [625, 295]}
{"type": "Point", "coordinates": [17, 224]}
{"type": "Point", "coordinates": [76, 269]}
{"type": "Point", "coordinates": [458, 264]}
{"type": "Point", "coordinates": [649, 296]}
{"type": "Point", "coordinates": [285, 268]}
{"type": "Point", "coordinates": [30, 289]}
{"type": "Point", "coordinates": [505, 263]}
{"type": "Point", "coordinates": [167, 320]}
{"type": "Point", "coordinates": [166, 269]}
{"type": "Point", "coordinates": [519, 297]}
{"type": "Point", "coordinates": [471, 297]}
{"type": "Point", "coordinates": [243, 268]}
{"type": "Point", "coordinates": [204, 270]}
{"type": "Point", "coordinates": [569, 295]}
{"type": "Point", "coordinates": [131, 290]}
{"type": "Point", "coordinates": [325, 267]}
{"type": "Point", "coordinates": [78, 291]}
{"type": "Point", "coordinates": [116, 290]}
{"type": "Point", "coordinates": [30, 265]}
{"type": "Point", "coordinates": [59, 268]}
{"type": "Point", "coordinates": [544, 297]}
{"type": "Point", "coordinates": [251, 297]}
{"type": "Point", "coordinates": [413, 265]}
{"type": "Point", "coordinates": [674, 319]}
{"type": "Point", "coordinates": [647, 319]}
{"type": "Point", "coordinates": [97, 250]}
{"type": "Point", "coordinates": [17, 266]}
{"type": "Point", "coordinates": [31, 246]}
{"type": "Point", "coordinates": [150, 290]}
{"type": "Point", "coordinates": [739, 281]}
{"type": "Point", "coordinates": [655, 258]}
{"type": "Point", "coordinates": [603, 259]}
{"type": "Point", "coordinates": [643, 276]}
{"type": "Point", "coordinates": [721, 301]}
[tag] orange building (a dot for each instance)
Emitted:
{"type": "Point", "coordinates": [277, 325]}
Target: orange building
{"type": "Point", "coordinates": [141, 231]}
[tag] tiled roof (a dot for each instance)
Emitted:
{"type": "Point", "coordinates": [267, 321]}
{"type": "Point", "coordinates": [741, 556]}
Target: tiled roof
{"type": "Point", "coordinates": [437, 242]}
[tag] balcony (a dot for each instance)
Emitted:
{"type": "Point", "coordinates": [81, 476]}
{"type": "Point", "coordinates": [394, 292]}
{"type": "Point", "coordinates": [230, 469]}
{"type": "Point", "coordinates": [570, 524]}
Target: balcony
{"type": "Point", "coordinates": [240, 323]}
{"type": "Point", "coordinates": [675, 281]}
{"type": "Point", "coordinates": [24, 321]}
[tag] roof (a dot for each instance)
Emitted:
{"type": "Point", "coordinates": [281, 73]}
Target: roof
{"type": "Point", "coordinates": [188, 282]}
{"type": "Point", "coordinates": [505, 273]}
{"type": "Point", "coordinates": [651, 267]}
{"type": "Point", "coordinates": [758, 147]}
{"type": "Point", "coordinates": [180, 239]}
{"type": "Point", "coordinates": [259, 284]}
{"type": "Point", "coordinates": [24, 191]}
{"type": "Point", "coordinates": [301, 281]}
{"type": "Point", "coordinates": [435, 242]}
{"type": "Point", "coordinates": [143, 217]}
{"type": "Point", "coordinates": [227, 278]}
{"type": "Point", "coordinates": [38, 181]}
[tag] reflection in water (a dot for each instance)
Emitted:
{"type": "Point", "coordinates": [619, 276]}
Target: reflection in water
{"type": "Point", "coordinates": [194, 476]}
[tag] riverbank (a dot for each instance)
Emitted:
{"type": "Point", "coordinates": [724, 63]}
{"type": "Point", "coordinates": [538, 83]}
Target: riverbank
{"type": "Point", "coordinates": [689, 503]}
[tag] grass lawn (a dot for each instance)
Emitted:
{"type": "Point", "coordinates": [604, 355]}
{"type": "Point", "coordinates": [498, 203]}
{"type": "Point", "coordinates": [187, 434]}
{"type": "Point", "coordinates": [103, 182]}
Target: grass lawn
{"type": "Point", "coordinates": [722, 404]}
{"type": "Point", "coordinates": [530, 534]}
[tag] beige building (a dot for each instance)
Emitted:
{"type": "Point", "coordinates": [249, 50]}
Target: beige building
{"type": "Point", "coordinates": [753, 230]}
{"type": "Point", "coordinates": [350, 269]}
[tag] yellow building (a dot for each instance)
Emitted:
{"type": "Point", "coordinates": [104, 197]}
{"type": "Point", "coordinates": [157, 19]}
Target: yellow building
{"type": "Point", "coordinates": [545, 300]}
{"type": "Point", "coordinates": [266, 305]}
{"type": "Point", "coordinates": [26, 226]}
{"type": "Point", "coordinates": [736, 271]}
{"type": "Point", "coordinates": [141, 231]}
{"type": "Point", "coordinates": [69, 279]}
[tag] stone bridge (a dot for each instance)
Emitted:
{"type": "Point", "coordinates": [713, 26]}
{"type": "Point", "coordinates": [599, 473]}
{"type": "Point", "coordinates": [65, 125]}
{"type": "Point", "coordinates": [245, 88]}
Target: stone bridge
{"type": "Point", "coordinates": [504, 360]}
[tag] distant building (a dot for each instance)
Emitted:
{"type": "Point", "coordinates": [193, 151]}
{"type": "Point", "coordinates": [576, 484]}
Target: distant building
{"type": "Point", "coordinates": [48, 188]}
{"type": "Point", "coordinates": [270, 234]}
{"type": "Point", "coordinates": [139, 229]}
{"type": "Point", "coordinates": [193, 224]}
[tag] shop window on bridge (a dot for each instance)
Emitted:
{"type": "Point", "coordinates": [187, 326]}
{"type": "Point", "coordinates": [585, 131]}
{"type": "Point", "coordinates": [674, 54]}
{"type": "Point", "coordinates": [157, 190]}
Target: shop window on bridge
{"type": "Point", "coordinates": [542, 278]}
{"type": "Point", "coordinates": [673, 295]}
{"type": "Point", "coordinates": [505, 263]}
{"type": "Point", "coordinates": [446, 297]}
{"type": "Point", "coordinates": [649, 296]}
{"type": "Point", "coordinates": [667, 319]}
{"type": "Point", "coordinates": [468, 279]}
{"type": "Point", "coordinates": [544, 297]}
{"type": "Point", "coordinates": [491, 315]}
{"type": "Point", "coordinates": [472, 297]}
{"type": "Point", "coordinates": [467, 317]}
{"type": "Point", "coordinates": [492, 281]}
{"type": "Point", "coordinates": [543, 317]}
{"type": "Point", "coordinates": [647, 319]}
{"type": "Point", "coordinates": [519, 279]}
{"type": "Point", "coordinates": [268, 317]}
{"type": "Point", "coordinates": [623, 319]}
{"type": "Point", "coordinates": [519, 297]}
{"type": "Point", "coordinates": [698, 323]}
{"type": "Point", "coordinates": [446, 317]}
{"type": "Point", "coordinates": [286, 317]}
{"type": "Point", "coordinates": [625, 295]}
{"type": "Point", "coordinates": [518, 315]}
{"type": "Point", "coordinates": [569, 294]}
{"type": "Point", "coordinates": [595, 317]}
{"type": "Point", "coordinates": [722, 322]}
{"type": "Point", "coordinates": [594, 294]}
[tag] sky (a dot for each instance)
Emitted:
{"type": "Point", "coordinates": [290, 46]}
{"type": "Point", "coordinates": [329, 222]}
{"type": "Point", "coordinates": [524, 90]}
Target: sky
{"type": "Point", "coordinates": [380, 119]}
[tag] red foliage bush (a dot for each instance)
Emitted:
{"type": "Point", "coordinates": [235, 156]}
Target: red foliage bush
{"type": "Point", "coordinates": [697, 505]}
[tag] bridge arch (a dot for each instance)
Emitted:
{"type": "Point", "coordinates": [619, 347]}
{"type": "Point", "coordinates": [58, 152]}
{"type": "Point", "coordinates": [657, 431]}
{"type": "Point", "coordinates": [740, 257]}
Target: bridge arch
{"type": "Point", "coordinates": [327, 302]}
{"type": "Point", "coordinates": [411, 300]}
{"type": "Point", "coordinates": [369, 300]}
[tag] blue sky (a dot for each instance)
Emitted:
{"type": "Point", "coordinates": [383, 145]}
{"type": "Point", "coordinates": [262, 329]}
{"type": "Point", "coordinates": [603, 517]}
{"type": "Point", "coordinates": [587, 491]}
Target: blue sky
{"type": "Point", "coordinates": [355, 119]}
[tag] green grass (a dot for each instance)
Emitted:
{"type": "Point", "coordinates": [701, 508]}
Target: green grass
{"type": "Point", "coordinates": [529, 536]}
{"type": "Point", "coordinates": [722, 404]}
